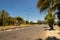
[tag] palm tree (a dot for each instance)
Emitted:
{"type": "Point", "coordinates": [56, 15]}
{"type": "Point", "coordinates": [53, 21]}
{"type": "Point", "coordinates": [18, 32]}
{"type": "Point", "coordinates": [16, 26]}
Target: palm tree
{"type": "Point", "coordinates": [49, 18]}
{"type": "Point", "coordinates": [47, 4]}
{"type": "Point", "coordinates": [51, 5]}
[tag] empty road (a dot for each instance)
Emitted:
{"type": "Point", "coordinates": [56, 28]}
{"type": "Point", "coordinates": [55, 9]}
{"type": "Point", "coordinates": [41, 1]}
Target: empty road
{"type": "Point", "coordinates": [29, 33]}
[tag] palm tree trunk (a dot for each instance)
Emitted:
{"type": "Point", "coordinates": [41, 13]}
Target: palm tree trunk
{"type": "Point", "coordinates": [51, 26]}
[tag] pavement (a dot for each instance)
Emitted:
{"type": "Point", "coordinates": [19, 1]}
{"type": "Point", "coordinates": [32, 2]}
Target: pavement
{"type": "Point", "coordinates": [30, 33]}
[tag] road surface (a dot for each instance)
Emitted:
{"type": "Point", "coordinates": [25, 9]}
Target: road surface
{"type": "Point", "coordinates": [30, 33]}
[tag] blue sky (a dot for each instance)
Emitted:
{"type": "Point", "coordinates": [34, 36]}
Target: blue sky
{"type": "Point", "coordinates": [25, 8]}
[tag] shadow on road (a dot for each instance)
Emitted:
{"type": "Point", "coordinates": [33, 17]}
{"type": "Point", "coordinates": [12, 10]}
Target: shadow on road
{"type": "Point", "coordinates": [45, 27]}
{"type": "Point", "coordinates": [49, 38]}
{"type": "Point", "coordinates": [39, 39]}
{"type": "Point", "coordinates": [52, 38]}
{"type": "Point", "coordinates": [49, 29]}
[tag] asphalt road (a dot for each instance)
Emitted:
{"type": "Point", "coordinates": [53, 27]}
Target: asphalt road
{"type": "Point", "coordinates": [30, 33]}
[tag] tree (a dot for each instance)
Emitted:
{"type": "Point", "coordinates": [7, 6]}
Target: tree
{"type": "Point", "coordinates": [51, 5]}
{"type": "Point", "coordinates": [31, 22]}
{"type": "Point", "coordinates": [27, 22]}
{"type": "Point", "coordinates": [50, 19]}
{"type": "Point", "coordinates": [12, 21]}
{"type": "Point", "coordinates": [47, 4]}
{"type": "Point", "coordinates": [3, 18]}
{"type": "Point", "coordinates": [19, 20]}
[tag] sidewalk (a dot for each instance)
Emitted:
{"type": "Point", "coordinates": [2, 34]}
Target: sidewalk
{"type": "Point", "coordinates": [53, 33]}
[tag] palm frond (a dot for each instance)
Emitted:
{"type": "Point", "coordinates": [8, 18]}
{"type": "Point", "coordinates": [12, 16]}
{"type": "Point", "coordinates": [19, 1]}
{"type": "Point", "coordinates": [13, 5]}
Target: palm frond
{"type": "Point", "coordinates": [43, 5]}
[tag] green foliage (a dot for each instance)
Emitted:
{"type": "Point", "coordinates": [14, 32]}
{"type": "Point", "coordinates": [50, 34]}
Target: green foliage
{"type": "Point", "coordinates": [50, 6]}
{"type": "Point", "coordinates": [5, 23]}
{"type": "Point", "coordinates": [20, 20]}
{"type": "Point", "coordinates": [50, 18]}
{"type": "Point", "coordinates": [5, 19]}
{"type": "Point", "coordinates": [31, 22]}
{"type": "Point", "coordinates": [27, 22]}
{"type": "Point", "coordinates": [47, 4]}
{"type": "Point", "coordinates": [12, 21]}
